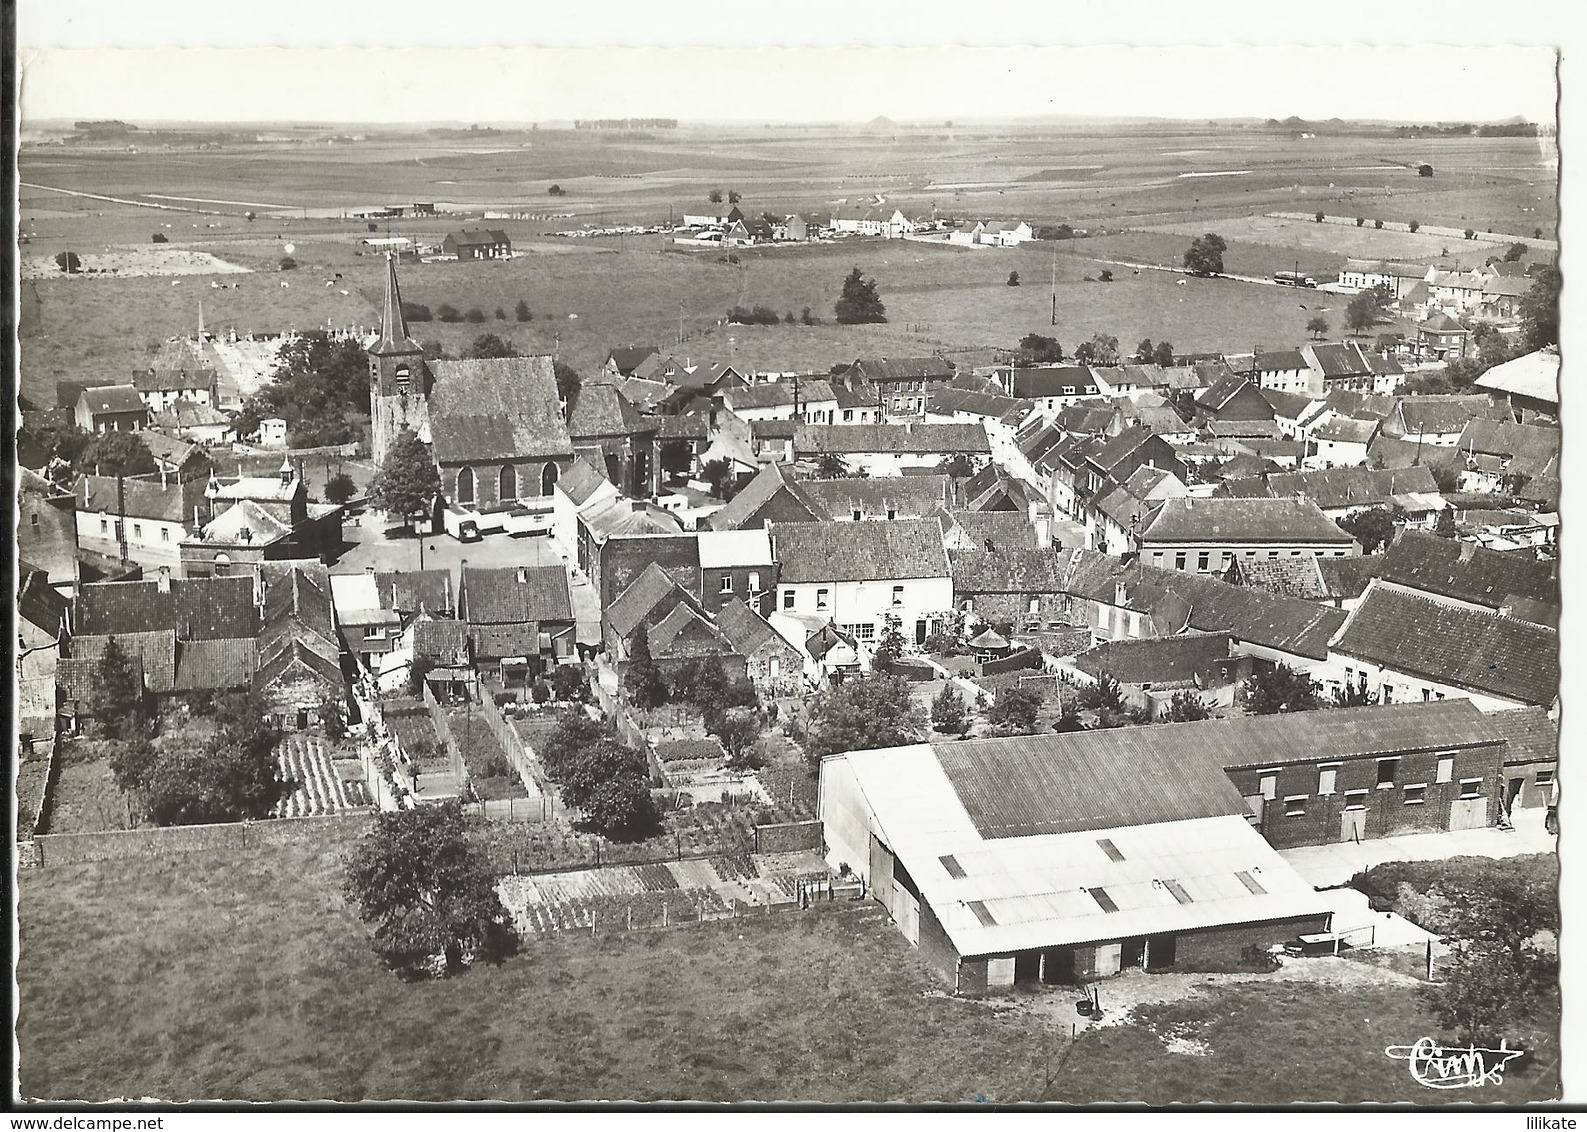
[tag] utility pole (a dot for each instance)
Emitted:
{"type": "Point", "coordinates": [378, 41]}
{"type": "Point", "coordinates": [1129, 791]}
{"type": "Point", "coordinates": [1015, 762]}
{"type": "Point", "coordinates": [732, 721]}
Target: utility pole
{"type": "Point", "coordinates": [1055, 285]}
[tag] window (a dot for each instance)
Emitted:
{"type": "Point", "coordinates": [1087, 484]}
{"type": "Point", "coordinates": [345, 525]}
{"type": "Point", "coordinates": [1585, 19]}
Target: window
{"type": "Point", "coordinates": [1203, 560]}
{"type": "Point", "coordinates": [1427, 694]}
{"type": "Point", "coordinates": [1272, 554]}
{"type": "Point", "coordinates": [892, 513]}
{"type": "Point", "coordinates": [1035, 606]}
{"type": "Point", "coordinates": [1294, 554]}
{"type": "Point", "coordinates": [1355, 799]}
{"type": "Point", "coordinates": [137, 530]}
{"type": "Point", "coordinates": [1110, 849]}
{"type": "Point", "coordinates": [1446, 768]}
{"type": "Point", "coordinates": [866, 632]}
{"type": "Point", "coordinates": [372, 633]}
{"type": "Point", "coordinates": [1069, 391]}
{"type": "Point", "coordinates": [1388, 693]}
{"type": "Point", "coordinates": [165, 534]}
{"type": "Point", "coordinates": [787, 599]}
{"type": "Point", "coordinates": [848, 415]}
{"type": "Point", "coordinates": [1179, 560]}
{"type": "Point", "coordinates": [1386, 771]}
{"type": "Point", "coordinates": [1416, 794]}
{"type": "Point", "coordinates": [1350, 676]}
{"type": "Point", "coordinates": [1178, 890]}
{"type": "Point", "coordinates": [1325, 779]}
{"type": "Point", "coordinates": [104, 526]}
{"type": "Point", "coordinates": [821, 598]}
{"type": "Point", "coordinates": [548, 479]}
{"type": "Point", "coordinates": [1544, 778]}
{"type": "Point", "coordinates": [34, 518]}
{"type": "Point", "coordinates": [1250, 554]}
{"type": "Point", "coordinates": [1157, 558]}
{"type": "Point", "coordinates": [898, 595]}
{"type": "Point", "coordinates": [1252, 885]}
{"type": "Point", "coordinates": [1228, 559]}
{"type": "Point", "coordinates": [1104, 901]}
{"type": "Point", "coordinates": [1269, 786]}
{"type": "Point", "coordinates": [1295, 807]}
{"type": "Point", "coordinates": [465, 485]}
{"type": "Point", "coordinates": [726, 584]}
{"type": "Point", "coordinates": [507, 483]}
{"type": "Point", "coordinates": [1470, 788]}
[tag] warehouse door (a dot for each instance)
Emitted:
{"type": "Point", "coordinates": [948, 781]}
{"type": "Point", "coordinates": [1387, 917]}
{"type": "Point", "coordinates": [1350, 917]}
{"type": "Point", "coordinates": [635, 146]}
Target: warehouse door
{"type": "Point", "coordinates": [1353, 825]}
{"type": "Point", "coordinates": [1468, 813]}
{"type": "Point", "coordinates": [906, 910]}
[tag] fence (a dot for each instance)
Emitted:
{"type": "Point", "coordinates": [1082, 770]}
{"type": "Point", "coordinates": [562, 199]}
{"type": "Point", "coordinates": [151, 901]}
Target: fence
{"type": "Point", "coordinates": [443, 729]}
{"type": "Point", "coordinates": [518, 752]}
{"type": "Point", "coordinates": [512, 809]}
{"type": "Point", "coordinates": [121, 844]}
{"type": "Point", "coordinates": [344, 451]}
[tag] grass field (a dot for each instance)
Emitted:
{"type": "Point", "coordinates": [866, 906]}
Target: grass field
{"type": "Point", "coordinates": [242, 974]}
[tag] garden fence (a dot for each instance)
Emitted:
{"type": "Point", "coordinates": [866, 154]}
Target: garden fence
{"type": "Point", "coordinates": [443, 729]}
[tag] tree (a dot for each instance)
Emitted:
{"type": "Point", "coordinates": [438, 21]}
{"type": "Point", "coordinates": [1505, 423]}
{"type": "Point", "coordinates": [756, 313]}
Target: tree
{"type": "Point", "coordinates": [1101, 350]}
{"type": "Point", "coordinates": [68, 262]}
{"type": "Point", "coordinates": [859, 302]}
{"type": "Point", "coordinates": [1035, 349]}
{"type": "Point", "coordinates": [1444, 522]}
{"type": "Point", "coordinates": [556, 191]}
{"type": "Point", "coordinates": [474, 315]}
{"type": "Point", "coordinates": [489, 345]}
{"type": "Point", "coordinates": [521, 312]}
{"type": "Point", "coordinates": [199, 783]}
{"type": "Point", "coordinates": [1186, 707]}
{"type": "Point", "coordinates": [417, 671]}
{"type": "Point", "coordinates": [1279, 689]}
{"type": "Point", "coordinates": [118, 694]}
{"type": "Point", "coordinates": [1414, 225]}
{"type": "Point", "coordinates": [1361, 314]}
{"type": "Point", "coordinates": [1515, 252]}
{"type": "Point", "coordinates": [646, 689]}
{"type": "Point", "coordinates": [1471, 233]}
{"type": "Point", "coordinates": [1013, 279]}
{"type": "Point", "coordinates": [1484, 986]}
{"type": "Point", "coordinates": [715, 196]}
{"type": "Point", "coordinates": [1205, 255]}
{"type": "Point", "coordinates": [1372, 528]}
{"type": "Point", "coordinates": [947, 711]}
{"type": "Point", "coordinates": [242, 722]}
{"type": "Point", "coordinates": [1145, 351]}
{"type": "Point", "coordinates": [1354, 696]}
{"type": "Point", "coordinates": [568, 683]}
{"type": "Point", "coordinates": [830, 466]}
{"type": "Point", "coordinates": [596, 763]}
{"type": "Point", "coordinates": [1317, 327]}
{"type": "Point", "coordinates": [1014, 711]}
{"type": "Point", "coordinates": [568, 380]}
{"type": "Point", "coordinates": [1105, 275]}
{"type": "Point", "coordinates": [427, 889]}
{"type": "Point", "coordinates": [406, 482]}
{"type": "Point", "coordinates": [340, 488]}
{"type": "Point", "coordinates": [1377, 224]}
{"type": "Point", "coordinates": [160, 238]}
{"type": "Point", "coordinates": [621, 809]}
{"type": "Point", "coordinates": [446, 312]}
{"type": "Point", "coordinates": [719, 474]}
{"type": "Point", "coordinates": [132, 764]}
{"type": "Point", "coordinates": [807, 318]}
{"type": "Point", "coordinates": [574, 731]}
{"type": "Point", "coordinates": [958, 465]}
{"type": "Point", "coordinates": [288, 263]}
{"type": "Point", "coordinates": [1164, 354]}
{"type": "Point", "coordinates": [738, 730]}
{"type": "Point", "coordinates": [1540, 310]}
{"type": "Point", "coordinates": [1104, 695]}
{"type": "Point", "coordinates": [1318, 218]}
{"type": "Point", "coordinates": [733, 196]}
{"type": "Point", "coordinates": [890, 646]}
{"type": "Point", "coordinates": [863, 713]}
{"type": "Point", "coordinates": [501, 314]}
{"type": "Point", "coordinates": [116, 454]}
{"type": "Point", "coordinates": [1360, 220]}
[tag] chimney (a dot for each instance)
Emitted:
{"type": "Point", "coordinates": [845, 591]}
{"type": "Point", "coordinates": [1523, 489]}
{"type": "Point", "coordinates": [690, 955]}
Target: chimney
{"type": "Point", "coordinates": [1468, 551]}
{"type": "Point", "coordinates": [162, 582]}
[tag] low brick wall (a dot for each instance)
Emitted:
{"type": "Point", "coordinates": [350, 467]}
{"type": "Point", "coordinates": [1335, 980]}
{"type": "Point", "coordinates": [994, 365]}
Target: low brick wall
{"type": "Point", "coordinates": [1013, 662]}
{"type": "Point", "coordinates": [789, 837]}
{"type": "Point", "coordinates": [76, 848]}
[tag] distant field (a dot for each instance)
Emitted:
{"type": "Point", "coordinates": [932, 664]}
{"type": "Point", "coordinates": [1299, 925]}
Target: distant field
{"type": "Point", "coordinates": [1345, 240]}
{"type": "Point", "coordinates": [242, 974]}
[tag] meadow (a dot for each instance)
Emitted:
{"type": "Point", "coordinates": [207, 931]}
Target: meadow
{"type": "Point", "coordinates": [243, 974]}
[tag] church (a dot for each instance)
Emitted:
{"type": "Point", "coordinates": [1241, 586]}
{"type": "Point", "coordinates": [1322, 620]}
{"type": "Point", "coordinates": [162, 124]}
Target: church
{"type": "Point", "coordinates": [494, 425]}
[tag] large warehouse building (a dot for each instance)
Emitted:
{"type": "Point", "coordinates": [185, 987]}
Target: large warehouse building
{"type": "Point", "coordinates": [1061, 858]}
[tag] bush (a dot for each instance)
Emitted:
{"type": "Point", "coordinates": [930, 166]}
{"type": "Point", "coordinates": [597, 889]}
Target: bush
{"type": "Point", "coordinates": [159, 238]}
{"type": "Point", "coordinates": [340, 488]}
{"type": "Point", "coordinates": [1360, 220]}
{"type": "Point", "coordinates": [1471, 233]}
{"type": "Point", "coordinates": [416, 312]}
{"type": "Point", "coordinates": [1414, 225]}
{"type": "Point", "coordinates": [501, 314]}
{"type": "Point", "coordinates": [1105, 275]}
{"type": "Point", "coordinates": [1377, 224]}
{"type": "Point", "coordinates": [522, 313]}
{"type": "Point", "coordinates": [539, 693]}
{"type": "Point", "coordinates": [448, 313]}
{"type": "Point", "coordinates": [474, 315]}
{"type": "Point", "coordinates": [1319, 218]}
{"type": "Point", "coordinates": [288, 263]}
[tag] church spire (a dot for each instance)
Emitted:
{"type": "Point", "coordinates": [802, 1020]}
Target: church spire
{"type": "Point", "coordinates": [393, 327]}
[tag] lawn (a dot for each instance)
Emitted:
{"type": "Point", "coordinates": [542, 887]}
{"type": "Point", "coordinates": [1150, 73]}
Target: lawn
{"type": "Point", "coordinates": [86, 798]}
{"type": "Point", "coordinates": [244, 975]}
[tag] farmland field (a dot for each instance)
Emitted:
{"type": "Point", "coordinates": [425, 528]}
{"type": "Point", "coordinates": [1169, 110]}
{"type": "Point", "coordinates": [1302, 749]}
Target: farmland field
{"type": "Point", "coordinates": [243, 974]}
{"type": "Point", "coordinates": [1114, 180]}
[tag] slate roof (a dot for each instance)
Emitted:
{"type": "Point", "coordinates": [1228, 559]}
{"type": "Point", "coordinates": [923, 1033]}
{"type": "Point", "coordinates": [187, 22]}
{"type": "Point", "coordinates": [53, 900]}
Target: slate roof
{"type": "Point", "coordinates": [627, 357]}
{"type": "Point", "coordinates": [407, 590]}
{"type": "Point", "coordinates": [1486, 577]}
{"type": "Point", "coordinates": [487, 409]}
{"type": "Point", "coordinates": [1286, 577]}
{"type": "Point", "coordinates": [1242, 520]}
{"type": "Point", "coordinates": [1474, 649]}
{"type": "Point", "coordinates": [858, 552]}
{"type": "Point", "coordinates": [1506, 438]}
{"type": "Point", "coordinates": [580, 481]}
{"type": "Point", "coordinates": [1279, 361]}
{"type": "Point", "coordinates": [599, 409]}
{"type": "Point", "coordinates": [1224, 390]}
{"type": "Point", "coordinates": [1351, 487]}
{"type": "Point", "coordinates": [113, 399]}
{"type": "Point", "coordinates": [1444, 414]}
{"type": "Point", "coordinates": [441, 638]}
{"type": "Point", "coordinates": [170, 502]}
{"type": "Point", "coordinates": [202, 609]}
{"type": "Point", "coordinates": [910, 496]}
{"type": "Point", "coordinates": [1348, 577]}
{"type": "Point", "coordinates": [643, 595]}
{"type": "Point", "coordinates": [514, 594]}
{"type": "Point", "coordinates": [862, 396]}
{"type": "Point", "coordinates": [1157, 419]}
{"type": "Point", "coordinates": [919, 439]}
{"type": "Point", "coordinates": [179, 365]}
{"type": "Point", "coordinates": [39, 603]}
{"type": "Point", "coordinates": [1338, 359]}
{"type": "Point", "coordinates": [1530, 735]}
{"type": "Point", "coordinates": [759, 491]}
{"type": "Point", "coordinates": [156, 651]}
{"type": "Point", "coordinates": [745, 630]}
{"type": "Point", "coordinates": [215, 665]}
{"type": "Point", "coordinates": [1050, 381]}
{"type": "Point", "coordinates": [1155, 660]}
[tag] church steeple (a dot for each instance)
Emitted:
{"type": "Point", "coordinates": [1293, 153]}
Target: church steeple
{"type": "Point", "coordinates": [399, 380]}
{"type": "Point", "coordinates": [393, 326]}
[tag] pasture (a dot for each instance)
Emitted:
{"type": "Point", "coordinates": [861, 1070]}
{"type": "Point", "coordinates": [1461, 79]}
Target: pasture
{"type": "Point", "coordinates": [243, 974]}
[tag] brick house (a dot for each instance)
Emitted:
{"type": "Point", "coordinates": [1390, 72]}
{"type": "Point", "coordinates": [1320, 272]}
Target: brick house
{"type": "Point", "coordinates": [773, 665]}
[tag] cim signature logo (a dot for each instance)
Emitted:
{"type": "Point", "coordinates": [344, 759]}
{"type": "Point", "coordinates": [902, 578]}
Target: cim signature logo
{"type": "Point", "coordinates": [1455, 1067]}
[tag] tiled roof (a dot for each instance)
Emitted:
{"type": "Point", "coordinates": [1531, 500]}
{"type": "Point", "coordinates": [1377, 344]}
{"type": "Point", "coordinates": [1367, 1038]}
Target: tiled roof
{"type": "Point", "coordinates": [910, 496]}
{"type": "Point", "coordinates": [170, 502]}
{"type": "Point", "coordinates": [644, 595]}
{"type": "Point", "coordinates": [627, 357]}
{"type": "Point", "coordinates": [1349, 576]}
{"type": "Point", "coordinates": [1118, 449]}
{"type": "Point", "coordinates": [1155, 660]}
{"type": "Point", "coordinates": [1330, 488]}
{"type": "Point", "coordinates": [862, 396]}
{"type": "Point", "coordinates": [155, 650]}
{"type": "Point", "coordinates": [1286, 577]}
{"type": "Point", "coordinates": [513, 594]}
{"type": "Point", "coordinates": [297, 654]}
{"type": "Point", "coordinates": [1530, 735]}
{"type": "Point", "coordinates": [773, 430]}
{"type": "Point", "coordinates": [1135, 375]}
{"type": "Point", "coordinates": [1354, 403]}
{"type": "Point", "coordinates": [1337, 359]}
{"type": "Point", "coordinates": [946, 402]}
{"type": "Point", "coordinates": [599, 409]}
{"type": "Point", "coordinates": [912, 438]}
{"type": "Point", "coordinates": [581, 480]}
{"type": "Point", "coordinates": [78, 678]}
{"type": "Point", "coordinates": [1469, 648]}
{"type": "Point", "coordinates": [1443, 414]}
{"type": "Point", "coordinates": [1466, 572]}
{"type": "Point", "coordinates": [1224, 390]}
{"type": "Point", "coordinates": [478, 237]}
{"type": "Point", "coordinates": [168, 450]}
{"type": "Point", "coordinates": [1279, 361]}
{"type": "Point", "coordinates": [1051, 381]}
{"type": "Point", "coordinates": [201, 609]}
{"type": "Point", "coordinates": [408, 590]}
{"type": "Point", "coordinates": [745, 630]}
{"type": "Point", "coordinates": [1347, 430]}
{"type": "Point", "coordinates": [759, 491]}
{"type": "Point", "coordinates": [518, 638]}
{"type": "Point", "coordinates": [1243, 520]}
{"type": "Point", "coordinates": [680, 620]}
{"type": "Point", "coordinates": [39, 603]}
{"type": "Point", "coordinates": [857, 552]}
{"type": "Point", "coordinates": [113, 399]}
{"type": "Point", "coordinates": [487, 409]}
{"type": "Point", "coordinates": [1003, 529]}
{"type": "Point", "coordinates": [1157, 419]}
{"type": "Point", "coordinates": [1011, 570]}
{"type": "Point", "coordinates": [1255, 429]}
{"type": "Point", "coordinates": [302, 596]}
{"type": "Point", "coordinates": [215, 665]}
{"type": "Point", "coordinates": [1506, 438]}
{"type": "Point", "coordinates": [436, 638]}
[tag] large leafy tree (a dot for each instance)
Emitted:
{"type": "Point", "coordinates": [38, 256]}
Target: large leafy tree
{"type": "Point", "coordinates": [1372, 528]}
{"type": "Point", "coordinates": [318, 385]}
{"type": "Point", "coordinates": [947, 711]}
{"type": "Point", "coordinates": [427, 889]}
{"type": "Point", "coordinates": [1205, 255]}
{"type": "Point", "coordinates": [1361, 313]}
{"type": "Point", "coordinates": [1035, 349]}
{"type": "Point", "coordinates": [489, 345]}
{"type": "Point", "coordinates": [1014, 711]}
{"type": "Point", "coordinates": [1279, 689]}
{"type": "Point", "coordinates": [574, 731]}
{"type": "Point", "coordinates": [863, 713]}
{"type": "Point", "coordinates": [406, 481]}
{"type": "Point", "coordinates": [195, 783]}
{"type": "Point", "coordinates": [1540, 310]}
{"type": "Point", "coordinates": [116, 454]}
{"type": "Point", "coordinates": [1100, 350]}
{"type": "Point", "coordinates": [859, 301]}
{"type": "Point", "coordinates": [568, 380]}
{"type": "Point", "coordinates": [1317, 327]}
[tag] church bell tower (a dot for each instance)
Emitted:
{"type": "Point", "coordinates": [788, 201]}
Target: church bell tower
{"type": "Point", "coordinates": [399, 380]}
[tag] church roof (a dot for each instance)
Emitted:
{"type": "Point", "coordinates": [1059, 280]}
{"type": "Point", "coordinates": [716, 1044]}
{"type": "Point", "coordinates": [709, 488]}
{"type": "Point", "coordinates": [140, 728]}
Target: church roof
{"type": "Point", "coordinates": [394, 337]}
{"type": "Point", "coordinates": [496, 409]}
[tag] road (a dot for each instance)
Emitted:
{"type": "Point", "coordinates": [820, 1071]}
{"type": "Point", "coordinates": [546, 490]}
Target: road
{"type": "Point", "coordinates": [1267, 282]}
{"type": "Point", "coordinates": [119, 200]}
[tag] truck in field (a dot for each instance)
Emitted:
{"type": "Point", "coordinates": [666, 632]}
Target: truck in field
{"type": "Point", "coordinates": [1293, 279]}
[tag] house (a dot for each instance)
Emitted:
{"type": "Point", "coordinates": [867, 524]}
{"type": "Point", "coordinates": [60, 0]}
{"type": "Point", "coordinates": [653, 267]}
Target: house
{"type": "Point", "coordinates": [1159, 420]}
{"type": "Point", "coordinates": [1233, 398]}
{"type": "Point", "coordinates": [1439, 419]}
{"type": "Point", "coordinates": [1000, 416]}
{"type": "Point", "coordinates": [993, 489]}
{"type": "Point", "coordinates": [1456, 290]}
{"type": "Point", "coordinates": [904, 383]}
{"type": "Point", "coordinates": [1398, 278]}
{"type": "Point", "coordinates": [621, 361]}
{"type": "Point", "coordinates": [1498, 454]}
{"type": "Point", "coordinates": [1341, 442]}
{"type": "Point", "coordinates": [1286, 371]}
{"type": "Point", "coordinates": [687, 636]}
{"type": "Point", "coordinates": [871, 220]}
{"type": "Point", "coordinates": [1338, 582]}
{"type": "Point", "coordinates": [1062, 858]}
{"type": "Point", "coordinates": [1531, 757]}
{"type": "Point", "coordinates": [1338, 491]}
{"type": "Point", "coordinates": [299, 650]}
{"type": "Point", "coordinates": [180, 373]}
{"type": "Point", "coordinates": [1003, 233]}
{"type": "Point", "coordinates": [370, 627]}
{"type": "Point", "coordinates": [619, 543]}
{"type": "Point", "coordinates": [606, 429]}
{"type": "Point", "coordinates": [771, 662]}
{"type": "Point", "coordinates": [855, 574]}
{"type": "Point", "coordinates": [1114, 462]}
{"type": "Point", "coordinates": [272, 433]}
{"type": "Point", "coordinates": [647, 599]}
{"type": "Point", "coordinates": [1207, 535]}
{"type": "Point", "coordinates": [138, 519]}
{"type": "Point", "coordinates": [581, 487]}
{"type": "Point", "coordinates": [1345, 365]}
{"type": "Point", "coordinates": [188, 420]}
{"type": "Point", "coordinates": [971, 530]}
{"type": "Point", "coordinates": [1443, 339]}
{"type": "Point", "coordinates": [1462, 573]}
{"type": "Point", "coordinates": [889, 449]}
{"type": "Point", "coordinates": [47, 528]}
{"type": "Point", "coordinates": [1115, 514]}
{"type": "Point", "coordinates": [1400, 645]}
{"type": "Point", "coordinates": [1502, 295]}
{"type": "Point", "coordinates": [736, 566]}
{"type": "Point", "coordinates": [42, 629]}
{"type": "Point", "coordinates": [1293, 412]}
{"type": "Point", "coordinates": [111, 408]}
{"type": "Point", "coordinates": [1050, 388]}
{"type": "Point", "coordinates": [773, 495]}
{"type": "Point", "coordinates": [1163, 664]}
{"type": "Point", "coordinates": [519, 618]}
{"type": "Point", "coordinates": [255, 519]}
{"type": "Point", "coordinates": [1528, 384]}
{"type": "Point", "coordinates": [889, 498]}
{"type": "Point", "coordinates": [477, 243]}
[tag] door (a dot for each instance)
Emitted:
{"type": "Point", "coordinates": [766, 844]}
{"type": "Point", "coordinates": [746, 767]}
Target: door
{"type": "Point", "coordinates": [1253, 809]}
{"type": "Point", "coordinates": [1468, 813]}
{"type": "Point", "coordinates": [920, 632]}
{"type": "Point", "coordinates": [1109, 958]}
{"type": "Point", "coordinates": [1353, 825]}
{"type": "Point", "coordinates": [906, 909]}
{"type": "Point", "coordinates": [1132, 953]}
{"type": "Point", "coordinates": [1512, 793]}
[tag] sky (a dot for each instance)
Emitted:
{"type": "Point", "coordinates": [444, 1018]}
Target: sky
{"type": "Point", "coordinates": [124, 62]}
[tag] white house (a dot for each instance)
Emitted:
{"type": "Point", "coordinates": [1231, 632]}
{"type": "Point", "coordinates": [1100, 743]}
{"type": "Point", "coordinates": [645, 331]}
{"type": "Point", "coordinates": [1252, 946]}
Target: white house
{"type": "Point", "coordinates": [151, 516]}
{"type": "Point", "coordinates": [1004, 233]}
{"type": "Point", "coordinates": [1207, 535]}
{"type": "Point", "coordinates": [578, 489]}
{"type": "Point", "coordinates": [889, 449]}
{"type": "Point", "coordinates": [857, 574]}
